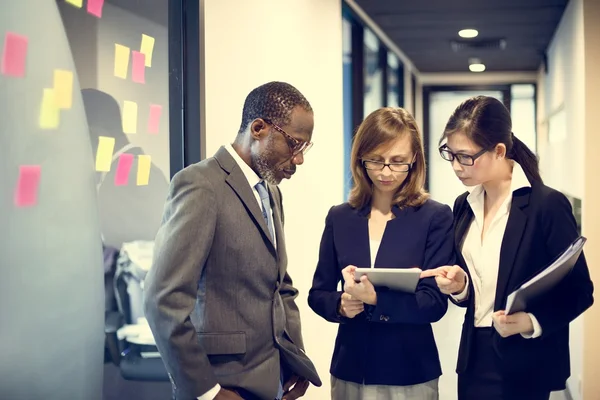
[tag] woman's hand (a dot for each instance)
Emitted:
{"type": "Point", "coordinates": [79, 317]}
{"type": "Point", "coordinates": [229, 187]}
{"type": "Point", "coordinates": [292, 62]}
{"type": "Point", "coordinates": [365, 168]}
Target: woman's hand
{"type": "Point", "coordinates": [508, 325]}
{"type": "Point", "coordinates": [450, 279]}
{"type": "Point", "coordinates": [363, 290]}
{"type": "Point", "coordinates": [350, 307]}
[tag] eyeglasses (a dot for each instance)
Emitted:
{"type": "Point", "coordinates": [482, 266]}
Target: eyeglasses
{"type": "Point", "coordinates": [464, 159]}
{"type": "Point", "coordinates": [380, 165]}
{"type": "Point", "coordinates": [296, 146]}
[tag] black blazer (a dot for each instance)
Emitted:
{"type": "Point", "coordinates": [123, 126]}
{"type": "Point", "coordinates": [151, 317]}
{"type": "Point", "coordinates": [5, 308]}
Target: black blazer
{"type": "Point", "coordinates": [391, 343]}
{"type": "Point", "coordinates": [540, 226]}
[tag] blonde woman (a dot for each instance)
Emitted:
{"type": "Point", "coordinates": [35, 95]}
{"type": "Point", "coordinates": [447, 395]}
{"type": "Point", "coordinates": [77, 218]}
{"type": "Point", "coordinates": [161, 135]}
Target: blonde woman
{"type": "Point", "coordinates": [385, 347]}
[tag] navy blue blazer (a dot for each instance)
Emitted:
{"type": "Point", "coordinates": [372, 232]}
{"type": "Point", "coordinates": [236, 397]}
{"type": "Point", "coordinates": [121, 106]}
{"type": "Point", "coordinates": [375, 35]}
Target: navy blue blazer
{"type": "Point", "coordinates": [540, 226]}
{"type": "Point", "coordinates": [391, 343]}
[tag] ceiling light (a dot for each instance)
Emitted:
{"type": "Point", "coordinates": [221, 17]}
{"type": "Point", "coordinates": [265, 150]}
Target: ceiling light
{"type": "Point", "coordinates": [477, 67]}
{"type": "Point", "coordinates": [468, 33]}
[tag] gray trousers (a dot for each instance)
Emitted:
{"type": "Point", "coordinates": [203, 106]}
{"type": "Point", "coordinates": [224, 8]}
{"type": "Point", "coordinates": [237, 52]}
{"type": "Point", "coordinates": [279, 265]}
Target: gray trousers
{"type": "Point", "coordinates": [343, 390]}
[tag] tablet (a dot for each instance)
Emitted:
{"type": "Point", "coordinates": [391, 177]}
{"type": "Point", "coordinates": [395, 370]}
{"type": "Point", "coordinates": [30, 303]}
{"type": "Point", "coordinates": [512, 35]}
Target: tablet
{"type": "Point", "coordinates": [402, 279]}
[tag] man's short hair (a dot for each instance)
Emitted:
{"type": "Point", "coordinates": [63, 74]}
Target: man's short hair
{"type": "Point", "coordinates": [274, 101]}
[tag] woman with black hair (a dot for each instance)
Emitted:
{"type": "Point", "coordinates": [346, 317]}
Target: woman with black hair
{"type": "Point", "coordinates": [508, 226]}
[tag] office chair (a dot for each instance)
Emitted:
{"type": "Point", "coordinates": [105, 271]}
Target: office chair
{"type": "Point", "coordinates": [136, 361]}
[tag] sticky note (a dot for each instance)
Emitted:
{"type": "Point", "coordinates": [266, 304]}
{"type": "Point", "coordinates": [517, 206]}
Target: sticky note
{"type": "Point", "coordinates": [147, 48]}
{"type": "Point", "coordinates": [26, 192]}
{"type": "Point", "coordinates": [49, 112]}
{"type": "Point", "coordinates": [76, 3]}
{"type": "Point", "coordinates": [154, 119]}
{"type": "Point", "coordinates": [138, 68]}
{"type": "Point", "coordinates": [104, 154]}
{"type": "Point", "coordinates": [123, 168]}
{"type": "Point", "coordinates": [94, 7]}
{"type": "Point", "coordinates": [63, 88]}
{"type": "Point", "coordinates": [14, 55]}
{"type": "Point", "coordinates": [143, 172]}
{"type": "Point", "coordinates": [121, 61]}
{"type": "Point", "coordinates": [130, 112]}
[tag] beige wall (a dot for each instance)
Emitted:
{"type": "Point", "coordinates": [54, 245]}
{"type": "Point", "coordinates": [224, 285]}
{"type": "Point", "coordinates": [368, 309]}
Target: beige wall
{"type": "Point", "coordinates": [248, 43]}
{"type": "Point", "coordinates": [591, 212]}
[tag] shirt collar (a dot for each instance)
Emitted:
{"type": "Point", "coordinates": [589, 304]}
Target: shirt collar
{"type": "Point", "coordinates": [251, 176]}
{"type": "Point", "coordinates": [518, 181]}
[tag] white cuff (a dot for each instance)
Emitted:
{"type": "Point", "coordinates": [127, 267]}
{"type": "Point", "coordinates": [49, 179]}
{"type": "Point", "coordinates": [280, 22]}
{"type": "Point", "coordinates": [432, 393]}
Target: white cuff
{"type": "Point", "coordinates": [211, 394]}
{"type": "Point", "coordinates": [464, 294]}
{"type": "Point", "coordinates": [537, 328]}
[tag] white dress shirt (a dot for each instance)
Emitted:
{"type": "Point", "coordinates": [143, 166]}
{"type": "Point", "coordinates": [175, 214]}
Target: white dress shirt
{"type": "Point", "coordinates": [483, 256]}
{"type": "Point", "coordinates": [253, 179]}
{"type": "Point", "coordinates": [374, 248]}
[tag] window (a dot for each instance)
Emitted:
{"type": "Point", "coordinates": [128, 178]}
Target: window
{"type": "Point", "coordinates": [522, 109]}
{"type": "Point", "coordinates": [374, 89]}
{"type": "Point", "coordinates": [395, 95]}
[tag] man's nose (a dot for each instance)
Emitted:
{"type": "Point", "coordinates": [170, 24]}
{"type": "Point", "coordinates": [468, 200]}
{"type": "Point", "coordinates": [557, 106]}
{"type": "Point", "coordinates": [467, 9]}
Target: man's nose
{"type": "Point", "coordinates": [298, 159]}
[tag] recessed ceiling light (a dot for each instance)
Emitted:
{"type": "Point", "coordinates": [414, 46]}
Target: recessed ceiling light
{"type": "Point", "coordinates": [468, 33]}
{"type": "Point", "coordinates": [477, 67]}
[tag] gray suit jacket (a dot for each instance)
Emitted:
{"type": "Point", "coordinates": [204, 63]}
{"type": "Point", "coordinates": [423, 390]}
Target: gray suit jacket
{"type": "Point", "coordinates": [218, 298]}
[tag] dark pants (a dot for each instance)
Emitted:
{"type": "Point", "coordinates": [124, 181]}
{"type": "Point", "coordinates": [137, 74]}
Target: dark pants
{"type": "Point", "coordinates": [483, 378]}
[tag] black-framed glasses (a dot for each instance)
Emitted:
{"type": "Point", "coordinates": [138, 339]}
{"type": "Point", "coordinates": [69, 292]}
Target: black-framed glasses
{"type": "Point", "coordinates": [464, 159]}
{"type": "Point", "coordinates": [296, 146]}
{"type": "Point", "coordinates": [380, 165]}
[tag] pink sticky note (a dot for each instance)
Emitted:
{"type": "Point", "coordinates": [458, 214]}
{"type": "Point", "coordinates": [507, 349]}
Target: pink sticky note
{"type": "Point", "coordinates": [154, 120]}
{"type": "Point", "coordinates": [26, 192]}
{"type": "Point", "coordinates": [14, 55]}
{"type": "Point", "coordinates": [138, 67]}
{"type": "Point", "coordinates": [94, 7]}
{"type": "Point", "coordinates": [123, 168]}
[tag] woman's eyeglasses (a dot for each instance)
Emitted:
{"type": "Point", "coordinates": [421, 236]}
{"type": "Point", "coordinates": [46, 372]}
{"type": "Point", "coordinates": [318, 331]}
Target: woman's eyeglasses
{"type": "Point", "coordinates": [464, 159]}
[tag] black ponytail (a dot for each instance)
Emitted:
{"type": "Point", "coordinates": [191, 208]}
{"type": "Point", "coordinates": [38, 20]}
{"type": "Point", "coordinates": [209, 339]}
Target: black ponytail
{"type": "Point", "coordinates": [526, 159]}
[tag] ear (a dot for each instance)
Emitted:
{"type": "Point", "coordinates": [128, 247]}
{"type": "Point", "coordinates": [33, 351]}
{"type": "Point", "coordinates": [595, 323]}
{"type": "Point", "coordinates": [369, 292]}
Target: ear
{"type": "Point", "coordinates": [258, 129]}
{"type": "Point", "coordinates": [500, 150]}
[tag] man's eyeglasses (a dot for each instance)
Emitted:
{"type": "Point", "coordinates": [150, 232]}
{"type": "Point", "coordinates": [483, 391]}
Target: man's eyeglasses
{"type": "Point", "coordinates": [380, 165]}
{"type": "Point", "coordinates": [296, 146]}
{"type": "Point", "coordinates": [464, 159]}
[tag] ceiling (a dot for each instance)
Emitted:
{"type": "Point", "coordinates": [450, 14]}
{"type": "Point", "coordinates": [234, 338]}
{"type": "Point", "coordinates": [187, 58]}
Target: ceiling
{"type": "Point", "coordinates": [424, 30]}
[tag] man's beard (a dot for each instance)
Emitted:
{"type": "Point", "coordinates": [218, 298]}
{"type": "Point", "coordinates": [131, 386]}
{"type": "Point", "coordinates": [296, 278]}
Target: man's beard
{"type": "Point", "coordinates": [262, 165]}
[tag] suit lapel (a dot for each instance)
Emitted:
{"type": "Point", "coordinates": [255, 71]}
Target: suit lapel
{"type": "Point", "coordinates": [238, 182]}
{"type": "Point", "coordinates": [517, 220]}
{"type": "Point", "coordinates": [462, 224]}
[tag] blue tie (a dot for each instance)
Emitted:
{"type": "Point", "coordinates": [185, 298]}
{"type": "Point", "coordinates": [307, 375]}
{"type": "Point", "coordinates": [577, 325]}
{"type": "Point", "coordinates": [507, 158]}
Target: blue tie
{"type": "Point", "coordinates": [266, 206]}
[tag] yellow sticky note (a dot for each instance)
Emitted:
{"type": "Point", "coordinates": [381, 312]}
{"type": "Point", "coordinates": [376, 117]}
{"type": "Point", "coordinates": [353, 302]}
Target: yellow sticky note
{"type": "Point", "coordinates": [63, 88]}
{"type": "Point", "coordinates": [130, 114]}
{"type": "Point", "coordinates": [76, 3]}
{"type": "Point", "coordinates": [49, 112]}
{"type": "Point", "coordinates": [104, 154]}
{"type": "Point", "coordinates": [121, 61]}
{"type": "Point", "coordinates": [143, 172]}
{"type": "Point", "coordinates": [147, 48]}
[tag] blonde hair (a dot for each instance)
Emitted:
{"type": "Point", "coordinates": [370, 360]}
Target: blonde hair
{"type": "Point", "coordinates": [381, 128]}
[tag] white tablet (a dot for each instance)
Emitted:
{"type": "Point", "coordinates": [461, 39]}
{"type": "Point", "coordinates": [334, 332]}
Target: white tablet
{"type": "Point", "coordinates": [402, 279]}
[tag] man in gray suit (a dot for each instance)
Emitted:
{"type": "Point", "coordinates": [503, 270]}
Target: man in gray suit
{"type": "Point", "coordinates": [218, 297]}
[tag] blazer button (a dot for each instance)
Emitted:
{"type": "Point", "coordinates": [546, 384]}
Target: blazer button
{"type": "Point", "coordinates": [384, 318]}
